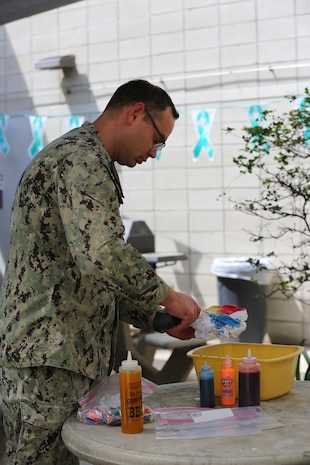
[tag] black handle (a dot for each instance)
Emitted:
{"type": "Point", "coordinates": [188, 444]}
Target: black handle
{"type": "Point", "coordinates": [163, 321]}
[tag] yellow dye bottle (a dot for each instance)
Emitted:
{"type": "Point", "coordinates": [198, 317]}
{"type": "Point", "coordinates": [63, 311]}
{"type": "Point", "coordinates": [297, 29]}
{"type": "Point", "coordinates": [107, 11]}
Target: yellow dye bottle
{"type": "Point", "coordinates": [130, 379]}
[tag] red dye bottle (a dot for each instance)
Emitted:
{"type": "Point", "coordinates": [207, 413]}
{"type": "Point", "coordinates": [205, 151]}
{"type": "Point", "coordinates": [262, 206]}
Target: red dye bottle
{"type": "Point", "coordinates": [249, 381]}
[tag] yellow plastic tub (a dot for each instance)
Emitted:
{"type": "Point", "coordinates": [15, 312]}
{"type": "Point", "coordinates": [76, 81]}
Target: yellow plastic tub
{"type": "Point", "coordinates": [278, 364]}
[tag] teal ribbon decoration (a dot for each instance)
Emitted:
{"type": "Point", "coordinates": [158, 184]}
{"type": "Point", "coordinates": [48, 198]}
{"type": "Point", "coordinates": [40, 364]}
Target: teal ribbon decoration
{"type": "Point", "coordinates": [305, 105]}
{"type": "Point", "coordinates": [37, 128]}
{"type": "Point", "coordinates": [4, 146]}
{"type": "Point", "coordinates": [158, 156]}
{"type": "Point", "coordinates": [203, 126]}
{"type": "Point", "coordinates": [256, 119]}
{"type": "Point", "coordinates": [75, 122]}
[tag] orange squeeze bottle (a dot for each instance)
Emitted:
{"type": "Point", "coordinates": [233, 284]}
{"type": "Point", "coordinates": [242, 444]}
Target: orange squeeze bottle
{"type": "Point", "coordinates": [227, 376]}
{"type": "Point", "coordinates": [130, 379]}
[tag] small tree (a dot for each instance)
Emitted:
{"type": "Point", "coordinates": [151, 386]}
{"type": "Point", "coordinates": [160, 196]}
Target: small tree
{"type": "Point", "coordinates": [277, 152]}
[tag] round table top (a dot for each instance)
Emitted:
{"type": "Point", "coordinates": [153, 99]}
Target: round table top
{"type": "Point", "coordinates": [289, 444]}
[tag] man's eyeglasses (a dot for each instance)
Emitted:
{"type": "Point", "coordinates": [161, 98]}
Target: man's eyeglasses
{"type": "Point", "coordinates": [161, 144]}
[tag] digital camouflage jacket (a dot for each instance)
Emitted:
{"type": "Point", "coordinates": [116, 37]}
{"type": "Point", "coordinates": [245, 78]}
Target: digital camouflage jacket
{"type": "Point", "coordinates": [70, 275]}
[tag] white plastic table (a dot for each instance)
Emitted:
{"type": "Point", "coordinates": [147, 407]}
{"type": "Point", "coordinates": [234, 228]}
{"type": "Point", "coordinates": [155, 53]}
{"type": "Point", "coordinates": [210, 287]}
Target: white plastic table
{"type": "Point", "coordinates": [287, 445]}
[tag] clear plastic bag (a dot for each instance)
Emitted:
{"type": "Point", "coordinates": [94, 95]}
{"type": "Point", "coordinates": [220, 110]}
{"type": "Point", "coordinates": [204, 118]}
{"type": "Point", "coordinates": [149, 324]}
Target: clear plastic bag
{"type": "Point", "coordinates": [101, 405]}
{"type": "Point", "coordinates": [190, 422]}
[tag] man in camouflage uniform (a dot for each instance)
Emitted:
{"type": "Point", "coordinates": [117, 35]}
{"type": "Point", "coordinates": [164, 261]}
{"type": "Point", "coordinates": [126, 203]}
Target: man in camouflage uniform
{"type": "Point", "coordinates": [71, 276]}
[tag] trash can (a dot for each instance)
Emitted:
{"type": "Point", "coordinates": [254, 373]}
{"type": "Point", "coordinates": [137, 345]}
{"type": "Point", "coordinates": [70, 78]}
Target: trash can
{"type": "Point", "coordinates": [242, 283]}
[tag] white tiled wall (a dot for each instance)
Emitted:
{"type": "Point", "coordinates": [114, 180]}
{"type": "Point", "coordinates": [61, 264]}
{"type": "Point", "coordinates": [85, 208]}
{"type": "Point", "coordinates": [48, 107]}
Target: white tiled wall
{"type": "Point", "coordinates": [187, 46]}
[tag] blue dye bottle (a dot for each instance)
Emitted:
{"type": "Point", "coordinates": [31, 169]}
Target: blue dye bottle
{"type": "Point", "coordinates": [206, 384]}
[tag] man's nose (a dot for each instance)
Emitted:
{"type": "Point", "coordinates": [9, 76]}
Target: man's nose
{"type": "Point", "coordinates": [152, 153]}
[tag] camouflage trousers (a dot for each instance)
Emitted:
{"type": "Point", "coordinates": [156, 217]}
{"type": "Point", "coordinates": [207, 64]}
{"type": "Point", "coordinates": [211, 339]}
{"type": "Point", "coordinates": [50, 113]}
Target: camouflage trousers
{"type": "Point", "coordinates": [36, 402]}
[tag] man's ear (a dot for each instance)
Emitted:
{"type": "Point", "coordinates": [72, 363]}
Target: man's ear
{"type": "Point", "coordinates": [134, 111]}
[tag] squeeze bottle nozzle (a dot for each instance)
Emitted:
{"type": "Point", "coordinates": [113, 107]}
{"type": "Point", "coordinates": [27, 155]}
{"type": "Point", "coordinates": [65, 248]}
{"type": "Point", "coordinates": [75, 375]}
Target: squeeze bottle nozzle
{"type": "Point", "coordinates": [249, 358]}
{"type": "Point", "coordinates": [206, 367]}
{"type": "Point", "coordinates": [227, 362]}
{"type": "Point", "coordinates": [129, 363]}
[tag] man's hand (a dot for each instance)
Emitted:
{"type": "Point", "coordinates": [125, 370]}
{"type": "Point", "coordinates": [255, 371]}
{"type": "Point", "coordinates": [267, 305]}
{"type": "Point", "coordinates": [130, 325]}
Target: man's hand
{"type": "Point", "coordinates": [187, 333]}
{"type": "Point", "coordinates": [184, 307]}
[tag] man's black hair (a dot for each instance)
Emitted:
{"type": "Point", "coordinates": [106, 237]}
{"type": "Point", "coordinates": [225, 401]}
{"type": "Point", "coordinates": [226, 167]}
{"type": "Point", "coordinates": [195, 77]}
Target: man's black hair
{"type": "Point", "coordinates": [155, 98]}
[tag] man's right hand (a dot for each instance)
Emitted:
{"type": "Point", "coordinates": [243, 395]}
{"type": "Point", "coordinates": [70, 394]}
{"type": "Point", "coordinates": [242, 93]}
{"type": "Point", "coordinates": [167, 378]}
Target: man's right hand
{"type": "Point", "coordinates": [184, 307]}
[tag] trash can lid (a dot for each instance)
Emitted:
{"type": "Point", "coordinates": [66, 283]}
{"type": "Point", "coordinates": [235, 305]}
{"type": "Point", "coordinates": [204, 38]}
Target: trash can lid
{"type": "Point", "coordinates": [242, 268]}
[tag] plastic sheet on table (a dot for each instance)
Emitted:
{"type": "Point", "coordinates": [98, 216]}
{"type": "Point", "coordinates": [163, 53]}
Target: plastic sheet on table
{"type": "Point", "coordinates": [181, 423]}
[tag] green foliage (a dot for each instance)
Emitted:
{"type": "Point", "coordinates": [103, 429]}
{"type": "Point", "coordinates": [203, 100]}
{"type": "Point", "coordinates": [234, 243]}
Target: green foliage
{"type": "Point", "coordinates": [277, 152]}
